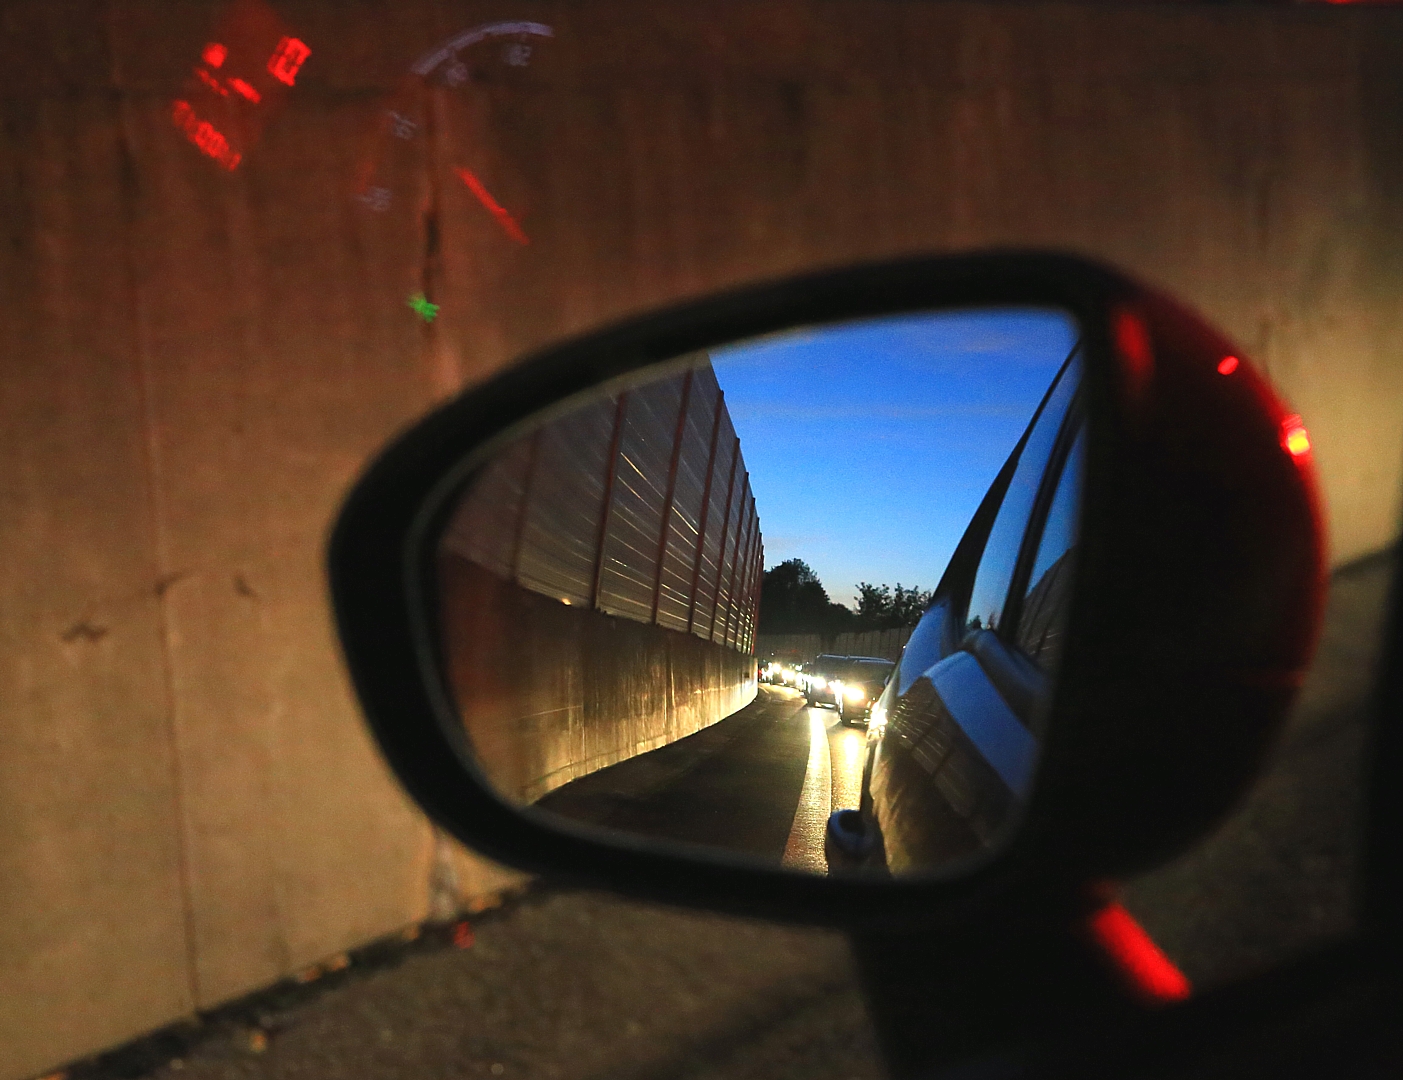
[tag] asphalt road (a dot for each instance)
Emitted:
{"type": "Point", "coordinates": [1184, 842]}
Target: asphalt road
{"type": "Point", "coordinates": [760, 783]}
{"type": "Point", "coordinates": [579, 986]}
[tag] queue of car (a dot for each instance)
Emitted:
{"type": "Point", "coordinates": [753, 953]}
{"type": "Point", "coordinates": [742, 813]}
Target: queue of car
{"type": "Point", "coordinates": [848, 684]}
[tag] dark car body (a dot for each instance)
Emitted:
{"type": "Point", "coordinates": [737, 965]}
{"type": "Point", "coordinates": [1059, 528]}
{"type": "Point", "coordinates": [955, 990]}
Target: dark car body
{"type": "Point", "coordinates": [954, 738]}
{"type": "Point", "coordinates": [819, 674]}
{"type": "Point", "coordinates": [863, 681]}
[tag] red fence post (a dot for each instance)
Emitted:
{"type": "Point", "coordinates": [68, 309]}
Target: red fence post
{"type": "Point", "coordinates": [740, 600]}
{"type": "Point", "coordinates": [738, 575]}
{"type": "Point", "coordinates": [671, 491]}
{"type": "Point", "coordinates": [706, 508]}
{"type": "Point", "coordinates": [753, 595]}
{"type": "Point", "coordinates": [611, 465]}
{"type": "Point", "coordinates": [740, 593]}
{"type": "Point", "coordinates": [759, 588]}
{"type": "Point", "coordinates": [742, 524]}
{"type": "Point", "coordinates": [725, 539]}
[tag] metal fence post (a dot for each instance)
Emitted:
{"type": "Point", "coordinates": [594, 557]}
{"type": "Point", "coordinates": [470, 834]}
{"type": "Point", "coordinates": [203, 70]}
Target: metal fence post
{"type": "Point", "coordinates": [525, 511]}
{"type": "Point", "coordinates": [738, 575]}
{"type": "Point", "coordinates": [742, 600]}
{"type": "Point", "coordinates": [753, 593]}
{"type": "Point", "coordinates": [741, 571]}
{"type": "Point", "coordinates": [706, 509]}
{"type": "Point", "coordinates": [725, 538]}
{"type": "Point", "coordinates": [611, 465]}
{"type": "Point", "coordinates": [742, 524]}
{"type": "Point", "coordinates": [759, 588]}
{"type": "Point", "coordinates": [677, 435]}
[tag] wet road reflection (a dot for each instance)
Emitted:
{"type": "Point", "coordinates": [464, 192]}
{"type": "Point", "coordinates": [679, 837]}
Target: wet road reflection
{"type": "Point", "coordinates": [761, 782]}
{"type": "Point", "coordinates": [848, 747]}
{"type": "Point", "coordinates": [804, 849]}
{"type": "Point", "coordinates": [832, 781]}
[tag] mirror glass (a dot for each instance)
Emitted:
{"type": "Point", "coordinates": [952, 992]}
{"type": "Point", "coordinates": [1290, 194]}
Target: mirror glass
{"type": "Point", "coordinates": [797, 601]}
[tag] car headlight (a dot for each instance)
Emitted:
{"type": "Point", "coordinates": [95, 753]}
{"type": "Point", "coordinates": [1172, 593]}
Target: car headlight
{"type": "Point", "coordinates": [854, 693]}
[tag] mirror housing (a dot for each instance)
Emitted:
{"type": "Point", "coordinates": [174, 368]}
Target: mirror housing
{"type": "Point", "coordinates": [1194, 614]}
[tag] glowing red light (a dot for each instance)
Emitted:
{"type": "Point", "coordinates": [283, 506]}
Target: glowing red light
{"type": "Point", "coordinates": [250, 37]}
{"type": "Point", "coordinates": [1294, 437]}
{"type": "Point", "coordinates": [1150, 973]}
{"type": "Point", "coordinates": [210, 81]}
{"type": "Point", "coordinates": [463, 935]}
{"type": "Point", "coordinates": [508, 223]}
{"type": "Point", "coordinates": [1227, 365]}
{"type": "Point", "coordinates": [210, 141]}
{"type": "Point", "coordinates": [204, 135]}
{"type": "Point", "coordinates": [246, 90]}
{"type": "Point", "coordinates": [287, 58]}
{"type": "Point", "coordinates": [1132, 340]}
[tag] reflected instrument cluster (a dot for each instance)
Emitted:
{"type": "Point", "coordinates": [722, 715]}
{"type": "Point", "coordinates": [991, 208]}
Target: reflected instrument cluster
{"type": "Point", "coordinates": [437, 130]}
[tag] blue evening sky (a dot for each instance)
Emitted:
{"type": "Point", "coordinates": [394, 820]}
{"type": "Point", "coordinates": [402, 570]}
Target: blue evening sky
{"type": "Point", "coordinates": [871, 443]}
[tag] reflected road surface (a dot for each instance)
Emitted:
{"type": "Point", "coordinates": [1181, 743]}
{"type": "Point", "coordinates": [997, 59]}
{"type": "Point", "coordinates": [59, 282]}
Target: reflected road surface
{"type": "Point", "coordinates": [761, 783]}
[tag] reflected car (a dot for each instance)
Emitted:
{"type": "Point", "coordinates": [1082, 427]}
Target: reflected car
{"type": "Point", "coordinates": [819, 676]}
{"type": "Point", "coordinates": [953, 740]}
{"type": "Point", "coordinates": [861, 684]}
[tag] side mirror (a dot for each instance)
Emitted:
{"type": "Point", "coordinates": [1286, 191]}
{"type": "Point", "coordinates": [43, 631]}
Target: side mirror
{"type": "Point", "coordinates": [552, 591]}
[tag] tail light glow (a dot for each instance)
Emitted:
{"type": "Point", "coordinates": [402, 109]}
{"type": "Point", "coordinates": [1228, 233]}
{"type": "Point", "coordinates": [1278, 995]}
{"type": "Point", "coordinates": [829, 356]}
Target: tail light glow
{"type": "Point", "coordinates": [1227, 365]}
{"type": "Point", "coordinates": [1295, 440]}
{"type": "Point", "coordinates": [1132, 339]}
{"type": "Point", "coordinates": [1150, 973]}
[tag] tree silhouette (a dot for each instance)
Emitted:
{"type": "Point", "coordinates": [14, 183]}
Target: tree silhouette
{"type": "Point", "coordinates": [794, 601]}
{"type": "Point", "coordinates": [880, 607]}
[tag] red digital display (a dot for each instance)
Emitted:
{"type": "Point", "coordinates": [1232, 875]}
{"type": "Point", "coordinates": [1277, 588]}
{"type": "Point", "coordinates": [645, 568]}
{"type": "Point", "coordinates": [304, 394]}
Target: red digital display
{"type": "Point", "coordinates": [287, 59]}
{"type": "Point", "coordinates": [241, 81]}
{"type": "Point", "coordinates": [204, 135]}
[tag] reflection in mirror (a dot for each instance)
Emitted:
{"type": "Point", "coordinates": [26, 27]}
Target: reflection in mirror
{"type": "Point", "coordinates": [799, 601]}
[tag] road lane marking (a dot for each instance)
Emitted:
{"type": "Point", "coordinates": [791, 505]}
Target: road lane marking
{"type": "Point", "coordinates": [847, 749]}
{"type": "Point", "coordinates": [804, 848]}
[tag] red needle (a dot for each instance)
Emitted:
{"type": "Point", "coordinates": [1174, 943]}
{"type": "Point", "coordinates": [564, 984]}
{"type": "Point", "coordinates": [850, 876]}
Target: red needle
{"type": "Point", "coordinates": [508, 223]}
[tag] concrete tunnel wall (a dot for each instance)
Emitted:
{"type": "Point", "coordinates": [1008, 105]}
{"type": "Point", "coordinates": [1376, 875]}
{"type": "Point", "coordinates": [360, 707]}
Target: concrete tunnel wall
{"type": "Point", "coordinates": [550, 692]}
{"type": "Point", "coordinates": [196, 364]}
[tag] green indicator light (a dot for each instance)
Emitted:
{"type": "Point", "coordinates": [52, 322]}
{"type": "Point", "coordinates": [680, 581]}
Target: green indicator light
{"type": "Point", "coordinates": [420, 303]}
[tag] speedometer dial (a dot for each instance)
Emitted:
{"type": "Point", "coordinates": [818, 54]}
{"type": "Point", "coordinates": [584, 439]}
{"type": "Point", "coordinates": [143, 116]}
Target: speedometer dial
{"type": "Point", "coordinates": [441, 146]}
